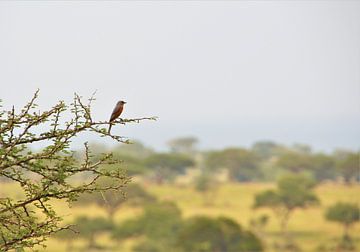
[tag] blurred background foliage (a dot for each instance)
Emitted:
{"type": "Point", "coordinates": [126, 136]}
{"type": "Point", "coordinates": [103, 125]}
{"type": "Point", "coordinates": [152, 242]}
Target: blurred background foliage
{"type": "Point", "coordinates": [269, 197]}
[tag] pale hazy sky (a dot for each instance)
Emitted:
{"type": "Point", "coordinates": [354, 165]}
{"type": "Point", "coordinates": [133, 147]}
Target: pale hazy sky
{"type": "Point", "coordinates": [228, 72]}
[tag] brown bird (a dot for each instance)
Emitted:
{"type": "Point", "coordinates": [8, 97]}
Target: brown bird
{"type": "Point", "coordinates": [116, 112]}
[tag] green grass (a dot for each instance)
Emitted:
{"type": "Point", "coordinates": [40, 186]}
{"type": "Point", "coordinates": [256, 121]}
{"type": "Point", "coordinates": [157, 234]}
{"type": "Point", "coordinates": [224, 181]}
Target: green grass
{"type": "Point", "coordinates": [308, 226]}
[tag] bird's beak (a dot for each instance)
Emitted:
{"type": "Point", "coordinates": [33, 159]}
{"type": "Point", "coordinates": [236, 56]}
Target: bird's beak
{"type": "Point", "coordinates": [124, 102]}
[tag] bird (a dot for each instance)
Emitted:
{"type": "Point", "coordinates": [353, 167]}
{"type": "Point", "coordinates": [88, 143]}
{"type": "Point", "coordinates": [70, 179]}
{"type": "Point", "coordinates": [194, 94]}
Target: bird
{"type": "Point", "coordinates": [116, 113]}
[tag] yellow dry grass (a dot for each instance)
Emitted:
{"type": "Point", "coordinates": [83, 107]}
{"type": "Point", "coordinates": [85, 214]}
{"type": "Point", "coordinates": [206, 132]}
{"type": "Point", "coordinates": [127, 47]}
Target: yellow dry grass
{"type": "Point", "coordinates": [309, 227]}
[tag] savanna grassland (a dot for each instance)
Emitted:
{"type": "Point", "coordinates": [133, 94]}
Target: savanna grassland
{"type": "Point", "coordinates": [308, 227]}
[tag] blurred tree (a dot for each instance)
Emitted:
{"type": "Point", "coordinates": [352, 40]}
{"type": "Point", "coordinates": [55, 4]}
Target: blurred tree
{"type": "Point", "coordinates": [167, 166]}
{"type": "Point", "coordinates": [90, 228]}
{"type": "Point", "coordinates": [323, 167]}
{"type": "Point", "coordinates": [183, 145]}
{"type": "Point", "coordinates": [131, 156]}
{"type": "Point", "coordinates": [206, 185]}
{"type": "Point", "coordinates": [132, 165]}
{"type": "Point", "coordinates": [302, 148]}
{"type": "Point", "coordinates": [346, 214]}
{"type": "Point", "coordinates": [258, 225]}
{"type": "Point", "coordinates": [111, 200]}
{"type": "Point", "coordinates": [130, 228]}
{"type": "Point", "coordinates": [135, 150]}
{"type": "Point", "coordinates": [266, 149]}
{"type": "Point", "coordinates": [45, 175]}
{"type": "Point", "coordinates": [159, 224]}
{"type": "Point", "coordinates": [152, 246]}
{"type": "Point", "coordinates": [295, 162]}
{"type": "Point", "coordinates": [204, 234]}
{"type": "Point", "coordinates": [243, 165]}
{"type": "Point", "coordinates": [97, 149]}
{"type": "Point", "coordinates": [164, 230]}
{"type": "Point", "coordinates": [349, 167]}
{"type": "Point", "coordinates": [293, 192]}
{"type": "Point", "coordinates": [68, 236]}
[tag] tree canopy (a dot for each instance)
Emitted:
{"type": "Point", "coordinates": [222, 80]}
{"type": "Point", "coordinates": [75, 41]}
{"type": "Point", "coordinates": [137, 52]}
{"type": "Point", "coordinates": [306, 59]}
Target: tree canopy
{"type": "Point", "coordinates": [90, 228]}
{"type": "Point", "coordinates": [344, 213]}
{"type": "Point", "coordinates": [293, 191]}
{"type": "Point", "coordinates": [242, 164]}
{"type": "Point", "coordinates": [159, 223]}
{"type": "Point", "coordinates": [183, 144]}
{"type": "Point", "coordinates": [48, 173]}
{"type": "Point", "coordinates": [347, 214]}
{"type": "Point", "coordinates": [349, 167]}
{"type": "Point", "coordinates": [111, 200]}
{"type": "Point", "coordinates": [168, 165]}
{"type": "Point", "coordinates": [204, 234]}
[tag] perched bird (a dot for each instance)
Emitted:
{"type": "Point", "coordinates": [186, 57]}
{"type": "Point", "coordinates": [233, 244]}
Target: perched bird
{"type": "Point", "coordinates": [116, 112]}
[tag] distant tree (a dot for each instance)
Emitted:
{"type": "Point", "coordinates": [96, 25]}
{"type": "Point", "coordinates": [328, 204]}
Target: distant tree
{"type": "Point", "coordinates": [162, 229]}
{"type": "Point", "coordinates": [131, 156]}
{"type": "Point", "coordinates": [293, 192]}
{"type": "Point", "coordinates": [90, 228]}
{"type": "Point", "coordinates": [159, 224]}
{"type": "Point", "coordinates": [302, 148]}
{"type": "Point", "coordinates": [68, 236]}
{"type": "Point", "coordinates": [266, 149]}
{"type": "Point", "coordinates": [323, 167]}
{"type": "Point", "coordinates": [152, 246]}
{"type": "Point", "coordinates": [167, 166]}
{"type": "Point", "coordinates": [243, 165]}
{"type": "Point", "coordinates": [97, 150]}
{"type": "Point", "coordinates": [346, 214]}
{"type": "Point", "coordinates": [204, 234]}
{"type": "Point", "coordinates": [294, 161]}
{"type": "Point", "coordinates": [132, 165]}
{"type": "Point", "coordinates": [349, 167]}
{"type": "Point", "coordinates": [136, 150]}
{"type": "Point", "coordinates": [183, 144]}
{"type": "Point", "coordinates": [48, 173]}
{"type": "Point", "coordinates": [111, 200]}
{"type": "Point", "coordinates": [206, 185]}
{"type": "Point", "coordinates": [258, 225]}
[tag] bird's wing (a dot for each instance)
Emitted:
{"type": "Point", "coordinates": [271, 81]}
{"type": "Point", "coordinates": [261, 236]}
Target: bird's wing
{"type": "Point", "coordinates": [116, 112]}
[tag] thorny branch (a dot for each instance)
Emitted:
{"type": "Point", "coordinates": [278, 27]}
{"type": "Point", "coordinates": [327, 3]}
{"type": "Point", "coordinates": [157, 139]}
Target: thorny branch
{"type": "Point", "coordinates": [49, 174]}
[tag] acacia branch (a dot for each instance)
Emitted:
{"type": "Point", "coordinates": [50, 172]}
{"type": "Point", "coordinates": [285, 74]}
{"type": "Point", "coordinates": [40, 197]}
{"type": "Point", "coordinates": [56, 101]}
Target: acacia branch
{"type": "Point", "coordinates": [54, 165]}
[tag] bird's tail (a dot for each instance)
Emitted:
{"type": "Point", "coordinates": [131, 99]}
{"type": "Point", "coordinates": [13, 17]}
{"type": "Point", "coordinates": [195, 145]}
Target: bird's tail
{"type": "Point", "coordinates": [110, 128]}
